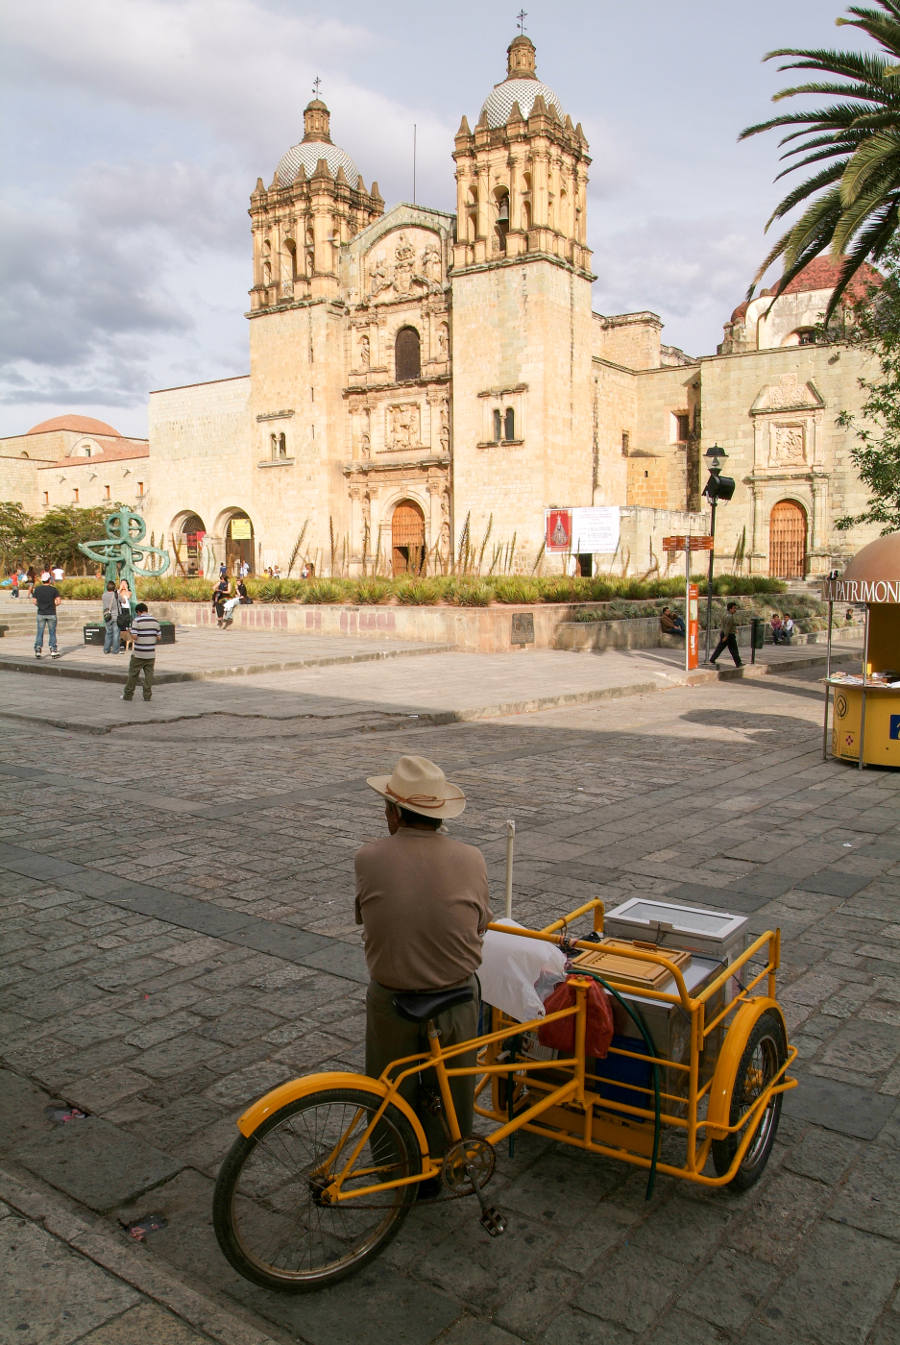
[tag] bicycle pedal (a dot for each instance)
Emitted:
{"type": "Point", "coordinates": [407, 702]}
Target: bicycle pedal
{"type": "Point", "coordinates": [493, 1221]}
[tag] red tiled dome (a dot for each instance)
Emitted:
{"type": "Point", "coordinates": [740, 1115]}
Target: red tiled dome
{"type": "Point", "coordinates": [824, 274]}
{"type": "Point", "coordinates": [80, 424]}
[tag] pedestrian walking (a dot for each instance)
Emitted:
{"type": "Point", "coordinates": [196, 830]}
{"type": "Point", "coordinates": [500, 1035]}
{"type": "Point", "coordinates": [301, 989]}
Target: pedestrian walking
{"type": "Point", "coordinates": [46, 597]}
{"type": "Point", "coordinates": [728, 637]}
{"type": "Point", "coordinates": [145, 631]}
{"type": "Point", "coordinates": [112, 608]}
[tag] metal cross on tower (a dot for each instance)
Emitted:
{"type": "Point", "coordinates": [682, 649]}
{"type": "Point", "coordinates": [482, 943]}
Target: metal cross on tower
{"type": "Point", "coordinates": [522, 16]}
{"type": "Point", "coordinates": [317, 84]}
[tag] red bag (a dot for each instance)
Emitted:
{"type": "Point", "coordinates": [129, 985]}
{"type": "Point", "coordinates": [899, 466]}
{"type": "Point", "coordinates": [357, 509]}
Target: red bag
{"type": "Point", "coordinates": [598, 1029]}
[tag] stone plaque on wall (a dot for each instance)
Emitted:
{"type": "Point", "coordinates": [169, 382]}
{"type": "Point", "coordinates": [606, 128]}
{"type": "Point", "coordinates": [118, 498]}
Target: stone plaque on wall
{"type": "Point", "coordinates": [522, 628]}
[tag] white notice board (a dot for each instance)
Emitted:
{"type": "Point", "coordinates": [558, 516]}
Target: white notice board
{"type": "Point", "coordinates": [595, 529]}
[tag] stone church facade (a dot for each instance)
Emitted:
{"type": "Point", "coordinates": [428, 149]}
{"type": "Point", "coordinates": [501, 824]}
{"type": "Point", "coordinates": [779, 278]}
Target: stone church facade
{"type": "Point", "coordinates": [421, 381]}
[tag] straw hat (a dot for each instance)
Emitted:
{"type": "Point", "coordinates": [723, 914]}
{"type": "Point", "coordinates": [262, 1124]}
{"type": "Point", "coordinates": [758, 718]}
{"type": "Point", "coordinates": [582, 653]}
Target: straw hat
{"type": "Point", "coordinates": [420, 786]}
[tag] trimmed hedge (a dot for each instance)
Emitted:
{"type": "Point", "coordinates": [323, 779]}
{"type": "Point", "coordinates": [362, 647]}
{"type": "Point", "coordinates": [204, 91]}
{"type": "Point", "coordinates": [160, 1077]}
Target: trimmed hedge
{"type": "Point", "coordinates": [430, 590]}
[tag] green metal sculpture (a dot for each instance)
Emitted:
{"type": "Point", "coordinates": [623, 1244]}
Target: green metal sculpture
{"type": "Point", "coordinates": [121, 552]}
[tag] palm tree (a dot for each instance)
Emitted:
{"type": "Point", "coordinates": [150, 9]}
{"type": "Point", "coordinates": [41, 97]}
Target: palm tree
{"type": "Point", "coordinates": [854, 199]}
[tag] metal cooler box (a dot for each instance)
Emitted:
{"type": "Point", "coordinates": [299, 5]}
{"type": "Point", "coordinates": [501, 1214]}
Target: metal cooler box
{"type": "Point", "coordinates": [712, 934]}
{"type": "Point", "coordinates": [712, 938]}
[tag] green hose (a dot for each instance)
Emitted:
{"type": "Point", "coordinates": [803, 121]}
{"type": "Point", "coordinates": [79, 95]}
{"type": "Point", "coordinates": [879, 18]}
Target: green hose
{"type": "Point", "coordinates": [637, 1018]}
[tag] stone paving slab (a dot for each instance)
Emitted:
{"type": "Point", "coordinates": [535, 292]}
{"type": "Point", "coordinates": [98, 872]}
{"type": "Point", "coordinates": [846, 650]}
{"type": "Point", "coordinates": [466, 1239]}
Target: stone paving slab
{"type": "Point", "coordinates": [165, 1005]}
{"type": "Point", "coordinates": [338, 678]}
{"type": "Point", "coordinates": [200, 653]}
{"type": "Point", "coordinates": [94, 1162]}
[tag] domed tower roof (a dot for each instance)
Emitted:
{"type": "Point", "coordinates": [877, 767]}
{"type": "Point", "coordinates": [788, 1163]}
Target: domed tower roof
{"type": "Point", "coordinates": [80, 424]}
{"type": "Point", "coordinates": [521, 85]}
{"type": "Point", "coordinates": [315, 145]}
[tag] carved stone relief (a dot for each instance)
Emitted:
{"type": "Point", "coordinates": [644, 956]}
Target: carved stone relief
{"type": "Point", "coordinates": [786, 391]}
{"type": "Point", "coordinates": [404, 271]}
{"type": "Point", "coordinates": [403, 425]}
{"type": "Point", "coordinates": [787, 446]}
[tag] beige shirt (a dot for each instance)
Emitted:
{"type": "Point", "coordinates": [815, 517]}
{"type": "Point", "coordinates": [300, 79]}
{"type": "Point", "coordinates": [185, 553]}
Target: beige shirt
{"type": "Point", "coordinates": [422, 899]}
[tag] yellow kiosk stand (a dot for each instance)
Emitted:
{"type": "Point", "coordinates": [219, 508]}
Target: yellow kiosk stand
{"type": "Point", "coordinates": [865, 725]}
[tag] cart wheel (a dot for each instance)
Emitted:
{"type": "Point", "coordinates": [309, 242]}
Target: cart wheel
{"type": "Point", "coordinates": [764, 1055]}
{"type": "Point", "coordinates": [270, 1215]}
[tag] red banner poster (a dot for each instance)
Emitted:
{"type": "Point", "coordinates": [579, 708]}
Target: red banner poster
{"type": "Point", "coordinates": [559, 529]}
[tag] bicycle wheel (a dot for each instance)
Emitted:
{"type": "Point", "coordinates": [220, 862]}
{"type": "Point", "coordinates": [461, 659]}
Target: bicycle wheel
{"type": "Point", "coordinates": [764, 1055]}
{"type": "Point", "coordinates": [269, 1216]}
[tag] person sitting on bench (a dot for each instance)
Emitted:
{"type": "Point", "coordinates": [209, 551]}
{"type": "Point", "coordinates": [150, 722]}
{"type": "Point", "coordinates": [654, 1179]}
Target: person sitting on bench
{"type": "Point", "coordinates": [671, 623]}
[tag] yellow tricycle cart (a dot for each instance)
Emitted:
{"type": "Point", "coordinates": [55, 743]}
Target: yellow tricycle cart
{"type": "Point", "coordinates": [326, 1167]}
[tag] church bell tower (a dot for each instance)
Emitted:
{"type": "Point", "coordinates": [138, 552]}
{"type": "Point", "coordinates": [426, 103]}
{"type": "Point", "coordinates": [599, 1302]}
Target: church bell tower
{"type": "Point", "coordinates": [521, 289]}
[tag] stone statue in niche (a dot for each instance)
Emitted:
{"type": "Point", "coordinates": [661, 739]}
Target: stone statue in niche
{"type": "Point", "coordinates": [365, 446]}
{"type": "Point", "coordinates": [365, 351]}
{"type": "Point", "coordinates": [431, 267]}
{"type": "Point", "coordinates": [788, 446]}
{"type": "Point", "coordinates": [444, 431]}
{"type": "Point", "coordinates": [443, 341]}
{"type": "Point", "coordinates": [445, 523]}
{"type": "Point", "coordinates": [367, 514]}
{"type": "Point", "coordinates": [378, 278]}
{"type": "Point", "coordinates": [403, 425]}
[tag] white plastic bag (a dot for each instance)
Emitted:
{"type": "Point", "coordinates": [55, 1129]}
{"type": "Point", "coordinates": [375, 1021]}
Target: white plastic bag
{"type": "Point", "coordinates": [511, 969]}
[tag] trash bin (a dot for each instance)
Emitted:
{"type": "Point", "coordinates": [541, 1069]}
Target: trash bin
{"type": "Point", "coordinates": [757, 636]}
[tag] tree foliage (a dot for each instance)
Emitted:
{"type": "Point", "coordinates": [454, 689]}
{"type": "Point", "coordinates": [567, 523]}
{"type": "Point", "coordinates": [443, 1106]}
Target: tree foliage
{"type": "Point", "coordinates": [852, 199]}
{"type": "Point", "coordinates": [54, 538]}
{"type": "Point", "coordinates": [876, 453]}
{"type": "Point", "coordinates": [14, 523]}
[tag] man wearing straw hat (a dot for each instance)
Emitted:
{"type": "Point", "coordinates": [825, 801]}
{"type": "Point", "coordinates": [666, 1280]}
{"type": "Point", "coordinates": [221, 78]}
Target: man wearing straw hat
{"type": "Point", "coordinates": [422, 899]}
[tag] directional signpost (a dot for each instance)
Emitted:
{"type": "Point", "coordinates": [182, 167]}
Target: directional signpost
{"type": "Point", "coordinates": [691, 592]}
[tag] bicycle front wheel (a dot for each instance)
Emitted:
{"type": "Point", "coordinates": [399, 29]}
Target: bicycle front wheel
{"type": "Point", "coordinates": [269, 1214]}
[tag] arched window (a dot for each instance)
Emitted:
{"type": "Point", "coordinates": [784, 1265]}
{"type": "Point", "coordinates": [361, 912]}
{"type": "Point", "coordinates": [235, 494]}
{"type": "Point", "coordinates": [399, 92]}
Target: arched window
{"type": "Point", "coordinates": [501, 224]}
{"type": "Point", "coordinates": [509, 424]}
{"type": "Point", "coordinates": [498, 426]}
{"type": "Point", "coordinates": [407, 355]}
{"type": "Point", "coordinates": [472, 216]}
{"type": "Point", "coordinates": [525, 198]}
{"type": "Point", "coordinates": [290, 248]}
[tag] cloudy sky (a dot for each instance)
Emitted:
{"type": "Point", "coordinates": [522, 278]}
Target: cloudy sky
{"type": "Point", "coordinates": [139, 128]}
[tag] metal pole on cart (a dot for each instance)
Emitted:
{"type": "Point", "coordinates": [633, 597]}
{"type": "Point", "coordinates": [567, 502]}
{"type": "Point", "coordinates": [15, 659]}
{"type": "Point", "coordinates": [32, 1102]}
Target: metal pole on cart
{"type": "Point", "coordinates": [830, 582]}
{"type": "Point", "coordinates": [862, 708]}
{"type": "Point", "coordinates": [510, 837]}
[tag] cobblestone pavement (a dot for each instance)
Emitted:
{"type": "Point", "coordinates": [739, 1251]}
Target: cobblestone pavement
{"type": "Point", "coordinates": [177, 936]}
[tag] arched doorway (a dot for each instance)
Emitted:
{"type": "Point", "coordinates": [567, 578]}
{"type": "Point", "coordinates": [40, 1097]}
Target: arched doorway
{"type": "Point", "coordinates": [787, 541]}
{"type": "Point", "coordinates": [407, 539]}
{"type": "Point", "coordinates": [188, 543]}
{"type": "Point", "coordinates": [239, 543]}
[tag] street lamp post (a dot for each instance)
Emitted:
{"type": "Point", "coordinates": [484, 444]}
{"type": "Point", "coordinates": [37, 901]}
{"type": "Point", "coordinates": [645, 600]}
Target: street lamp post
{"type": "Point", "coordinates": [718, 487]}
